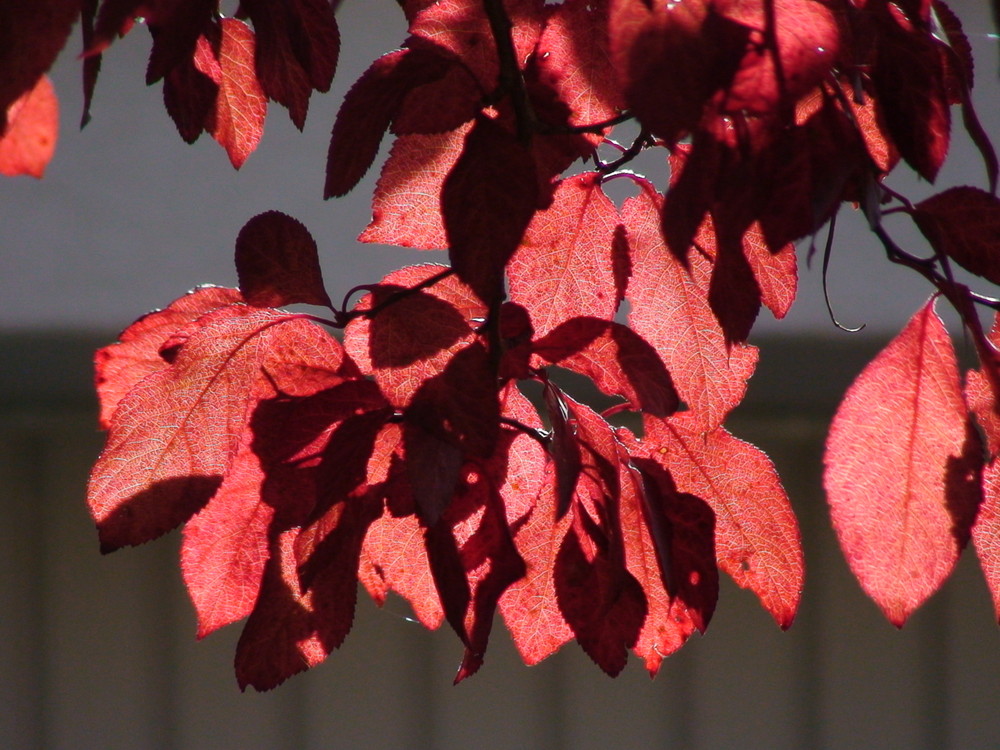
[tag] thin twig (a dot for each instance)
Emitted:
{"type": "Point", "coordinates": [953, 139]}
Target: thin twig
{"type": "Point", "coordinates": [343, 317]}
{"type": "Point", "coordinates": [540, 436]}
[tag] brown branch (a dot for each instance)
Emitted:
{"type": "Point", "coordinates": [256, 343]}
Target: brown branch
{"type": "Point", "coordinates": [510, 81]}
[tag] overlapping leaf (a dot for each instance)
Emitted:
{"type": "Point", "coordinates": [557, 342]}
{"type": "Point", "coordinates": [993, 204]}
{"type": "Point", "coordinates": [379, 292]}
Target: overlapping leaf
{"type": "Point", "coordinates": [670, 310]}
{"type": "Point", "coordinates": [406, 205]}
{"type": "Point", "coordinates": [416, 333]}
{"type": "Point", "coordinates": [615, 358]}
{"type": "Point", "coordinates": [237, 121]}
{"type": "Point", "coordinates": [756, 535]}
{"type": "Point", "coordinates": [670, 549]}
{"type": "Point", "coordinates": [137, 353]}
{"type": "Point", "coordinates": [565, 264]}
{"type": "Point", "coordinates": [34, 33]}
{"type": "Point", "coordinates": [298, 43]}
{"type": "Point", "coordinates": [174, 436]}
{"type": "Point", "coordinates": [574, 60]}
{"type": "Point", "coordinates": [487, 200]}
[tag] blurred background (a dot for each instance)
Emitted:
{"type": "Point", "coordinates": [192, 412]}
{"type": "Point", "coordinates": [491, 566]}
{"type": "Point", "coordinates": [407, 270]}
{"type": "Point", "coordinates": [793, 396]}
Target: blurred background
{"type": "Point", "coordinates": [99, 652]}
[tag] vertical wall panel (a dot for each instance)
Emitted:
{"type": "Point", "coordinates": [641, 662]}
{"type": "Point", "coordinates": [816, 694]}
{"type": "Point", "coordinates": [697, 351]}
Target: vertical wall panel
{"type": "Point", "coordinates": [22, 676]}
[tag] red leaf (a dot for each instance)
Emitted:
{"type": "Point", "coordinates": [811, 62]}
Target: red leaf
{"type": "Point", "coordinates": [733, 293]}
{"type": "Point", "coordinates": [807, 37]}
{"type": "Point", "coordinates": [515, 334]}
{"type": "Point", "coordinates": [563, 447]}
{"type": "Point", "coordinates": [670, 310]}
{"type": "Point", "coordinates": [681, 530]}
{"type": "Point", "coordinates": [487, 200]}
{"type": "Point", "coordinates": [439, 104]}
{"type": "Point", "coordinates": [694, 171]}
{"type": "Point", "coordinates": [671, 58]}
{"type": "Point", "coordinates": [909, 82]}
{"type": "Point", "coordinates": [225, 547]}
{"type": "Point", "coordinates": [982, 394]}
{"type": "Point", "coordinates": [573, 59]}
{"type": "Point", "coordinates": [406, 205]}
{"type": "Point", "coordinates": [174, 436]}
{"type": "Point", "coordinates": [964, 224]}
{"type": "Point", "coordinates": [291, 630]}
{"type": "Point", "coordinates": [776, 272]}
{"type": "Point", "coordinates": [756, 534]}
{"type": "Point", "coordinates": [492, 564]}
{"type": "Point", "coordinates": [669, 536]}
{"type": "Point", "coordinates": [618, 361]}
{"type": "Point", "coordinates": [237, 122]}
{"type": "Point", "coordinates": [175, 26]}
{"type": "Point", "coordinates": [271, 486]}
{"type": "Point", "coordinates": [281, 637]}
{"type": "Point", "coordinates": [602, 602]}
{"type": "Point", "coordinates": [394, 554]}
{"type": "Point", "coordinates": [529, 606]}
{"type": "Point", "coordinates": [413, 337]}
{"type": "Point", "coordinates": [371, 104]}
{"type": "Point", "coordinates": [34, 34]}
{"type": "Point", "coordinates": [986, 532]}
{"type": "Point", "coordinates": [189, 96]}
{"type": "Point", "coordinates": [29, 141]}
{"type": "Point", "coordinates": [297, 47]}
{"type": "Point", "coordinates": [564, 266]}
{"type": "Point", "coordinates": [278, 263]}
{"type": "Point", "coordinates": [461, 27]}
{"type": "Point", "coordinates": [902, 469]}
{"type": "Point", "coordinates": [452, 417]}
{"type": "Point", "coordinates": [120, 366]}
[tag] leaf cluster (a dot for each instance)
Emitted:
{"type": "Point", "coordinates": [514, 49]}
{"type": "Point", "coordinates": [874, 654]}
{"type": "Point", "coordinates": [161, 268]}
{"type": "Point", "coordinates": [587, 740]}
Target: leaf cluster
{"type": "Point", "coordinates": [404, 454]}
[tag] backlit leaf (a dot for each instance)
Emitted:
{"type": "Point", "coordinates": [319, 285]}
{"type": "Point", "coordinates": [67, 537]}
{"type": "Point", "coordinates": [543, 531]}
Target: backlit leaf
{"type": "Point", "coordinates": [668, 536]}
{"type": "Point", "coordinates": [406, 205]}
{"type": "Point", "coordinates": [986, 532]}
{"type": "Point", "coordinates": [487, 200]}
{"type": "Point", "coordinates": [175, 435]}
{"type": "Point", "coordinates": [369, 107]}
{"type": "Point", "coordinates": [756, 534]}
{"type": "Point", "coordinates": [670, 311]}
{"type": "Point", "coordinates": [902, 469]}
{"type": "Point", "coordinates": [574, 60]}
{"type": "Point", "coordinates": [564, 265]}
{"type": "Point", "coordinates": [413, 337]}
{"type": "Point", "coordinates": [297, 47]}
{"type": "Point", "coordinates": [909, 82]}
{"type": "Point", "coordinates": [807, 38]}
{"type": "Point", "coordinates": [34, 33]}
{"type": "Point", "coordinates": [237, 122]}
{"type": "Point", "coordinates": [29, 141]}
{"type": "Point", "coordinates": [136, 354]}
{"type": "Point", "coordinates": [615, 358]}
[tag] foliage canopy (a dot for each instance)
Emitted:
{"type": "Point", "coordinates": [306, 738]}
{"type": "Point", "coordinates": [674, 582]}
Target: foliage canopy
{"type": "Point", "coordinates": [404, 454]}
